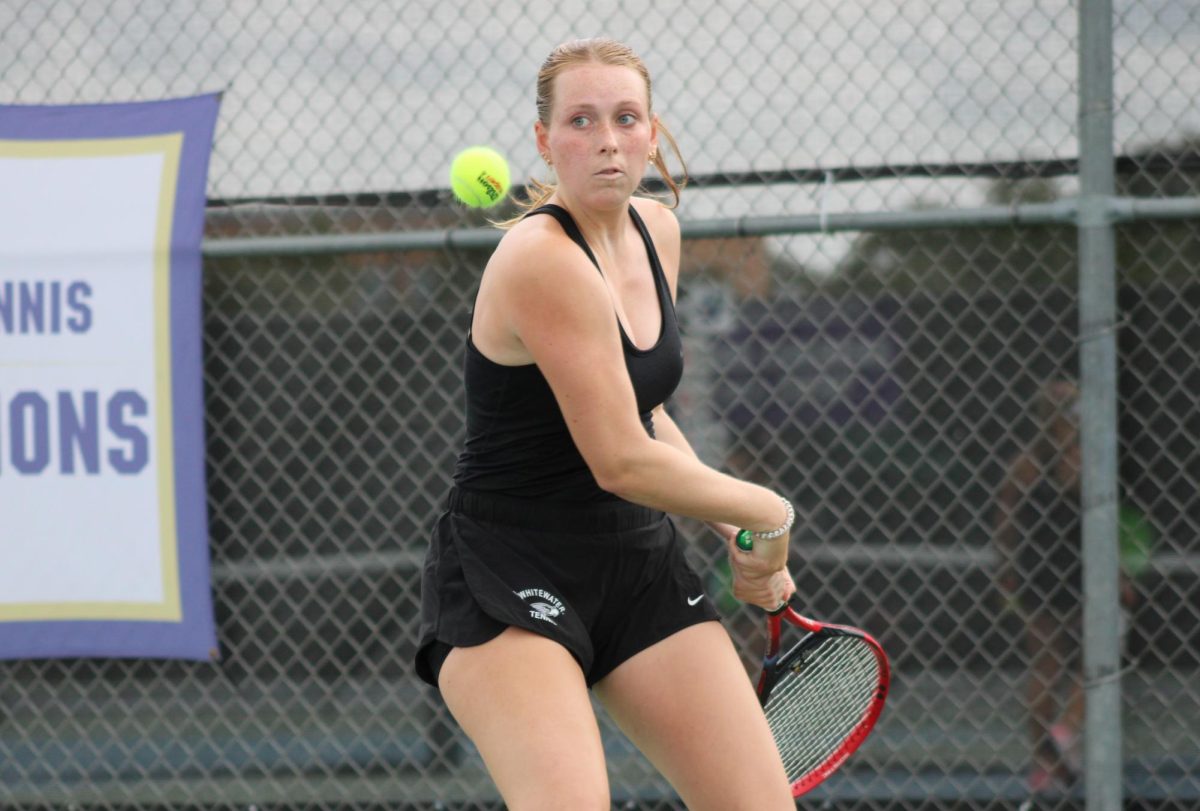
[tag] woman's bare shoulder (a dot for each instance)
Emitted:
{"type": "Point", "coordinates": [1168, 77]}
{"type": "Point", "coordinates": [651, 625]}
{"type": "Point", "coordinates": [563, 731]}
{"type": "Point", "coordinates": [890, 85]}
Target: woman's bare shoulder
{"type": "Point", "coordinates": [536, 261]}
{"type": "Point", "coordinates": [658, 217]}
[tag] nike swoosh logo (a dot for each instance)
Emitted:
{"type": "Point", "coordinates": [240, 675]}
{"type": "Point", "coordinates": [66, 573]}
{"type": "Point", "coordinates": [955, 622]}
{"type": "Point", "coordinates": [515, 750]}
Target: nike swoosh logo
{"type": "Point", "coordinates": [694, 600]}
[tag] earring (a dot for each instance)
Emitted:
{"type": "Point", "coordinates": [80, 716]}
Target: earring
{"type": "Point", "coordinates": [546, 158]}
{"type": "Point", "coordinates": [653, 155]}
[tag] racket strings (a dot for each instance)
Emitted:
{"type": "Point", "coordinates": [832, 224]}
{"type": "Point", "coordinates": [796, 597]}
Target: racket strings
{"type": "Point", "coordinates": [815, 707]}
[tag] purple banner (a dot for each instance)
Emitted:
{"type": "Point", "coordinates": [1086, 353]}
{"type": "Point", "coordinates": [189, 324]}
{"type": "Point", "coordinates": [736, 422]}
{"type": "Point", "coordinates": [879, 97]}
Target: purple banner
{"type": "Point", "coordinates": [104, 551]}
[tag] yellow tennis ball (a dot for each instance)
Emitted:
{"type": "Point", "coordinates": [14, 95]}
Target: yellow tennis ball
{"type": "Point", "coordinates": [479, 177]}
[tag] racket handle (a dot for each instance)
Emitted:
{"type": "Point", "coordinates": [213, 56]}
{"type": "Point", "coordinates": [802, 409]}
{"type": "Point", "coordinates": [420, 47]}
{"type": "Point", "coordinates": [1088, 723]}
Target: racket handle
{"type": "Point", "coordinates": [744, 540]}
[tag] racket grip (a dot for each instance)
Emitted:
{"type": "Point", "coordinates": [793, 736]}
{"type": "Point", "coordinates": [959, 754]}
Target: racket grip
{"type": "Point", "coordinates": [744, 540]}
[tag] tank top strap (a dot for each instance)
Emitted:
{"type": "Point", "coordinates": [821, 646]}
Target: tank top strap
{"type": "Point", "coordinates": [660, 278]}
{"type": "Point", "coordinates": [568, 225]}
{"type": "Point", "coordinates": [665, 303]}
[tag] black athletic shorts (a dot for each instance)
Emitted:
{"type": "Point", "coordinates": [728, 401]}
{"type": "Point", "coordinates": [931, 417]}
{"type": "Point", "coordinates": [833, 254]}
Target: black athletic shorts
{"type": "Point", "coordinates": [605, 581]}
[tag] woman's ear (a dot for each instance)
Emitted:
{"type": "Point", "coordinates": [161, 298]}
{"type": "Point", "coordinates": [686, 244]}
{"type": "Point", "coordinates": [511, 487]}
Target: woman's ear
{"type": "Point", "coordinates": [542, 138]}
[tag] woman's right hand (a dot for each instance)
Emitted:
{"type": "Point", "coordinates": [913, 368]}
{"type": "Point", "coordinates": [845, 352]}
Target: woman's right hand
{"type": "Point", "coordinates": [760, 576]}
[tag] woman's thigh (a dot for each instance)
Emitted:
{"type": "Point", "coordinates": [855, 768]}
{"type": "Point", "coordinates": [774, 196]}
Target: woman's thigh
{"type": "Point", "coordinates": [523, 701]}
{"type": "Point", "coordinates": [688, 704]}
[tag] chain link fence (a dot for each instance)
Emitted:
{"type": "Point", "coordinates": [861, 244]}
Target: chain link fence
{"type": "Point", "coordinates": [889, 379]}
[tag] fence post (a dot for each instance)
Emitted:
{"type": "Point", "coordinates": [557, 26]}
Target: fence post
{"type": "Point", "coordinates": [1098, 378]}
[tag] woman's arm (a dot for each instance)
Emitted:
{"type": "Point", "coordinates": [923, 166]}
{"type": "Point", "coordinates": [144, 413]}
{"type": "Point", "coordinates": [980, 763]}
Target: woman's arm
{"type": "Point", "coordinates": [667, 431]}
{"type": "Point", "coordinates": [547, 303]}
{"type": "Point", "coordinates": [760, 577]}
{"type": "Point", "coordinates": [557, 306]}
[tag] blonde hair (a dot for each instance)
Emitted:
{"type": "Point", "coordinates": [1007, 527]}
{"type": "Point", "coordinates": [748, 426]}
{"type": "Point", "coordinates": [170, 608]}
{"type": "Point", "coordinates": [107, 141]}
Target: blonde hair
{"type": "Point", "coordinates": [601, 51]}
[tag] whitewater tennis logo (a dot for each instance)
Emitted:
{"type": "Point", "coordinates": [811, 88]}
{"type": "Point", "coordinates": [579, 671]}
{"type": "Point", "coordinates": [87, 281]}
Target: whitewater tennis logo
{"type": "Point", "coordinates": [544, 606]}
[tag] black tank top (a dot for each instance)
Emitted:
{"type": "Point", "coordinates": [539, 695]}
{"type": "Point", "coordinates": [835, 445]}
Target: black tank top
{"type": "Point", "coordinates": [517, 442]}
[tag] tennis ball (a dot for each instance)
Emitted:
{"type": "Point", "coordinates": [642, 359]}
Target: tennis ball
{"type": "Point", "coordinates": [479, 177]}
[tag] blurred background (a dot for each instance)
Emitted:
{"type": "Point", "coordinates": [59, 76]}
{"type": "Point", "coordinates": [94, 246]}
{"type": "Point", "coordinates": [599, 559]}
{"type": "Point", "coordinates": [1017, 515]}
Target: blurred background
{"type": "Point", "coordinates": [885, 373]}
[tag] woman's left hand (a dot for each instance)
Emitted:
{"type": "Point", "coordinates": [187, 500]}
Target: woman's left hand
{"type": "Point", "coordinates": [765, 588]}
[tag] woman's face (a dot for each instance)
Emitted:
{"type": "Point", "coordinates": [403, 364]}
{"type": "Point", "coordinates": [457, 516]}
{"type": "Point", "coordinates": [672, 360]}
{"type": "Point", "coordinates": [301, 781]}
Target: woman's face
{"type": "Point", "coordinates": [600, 133]}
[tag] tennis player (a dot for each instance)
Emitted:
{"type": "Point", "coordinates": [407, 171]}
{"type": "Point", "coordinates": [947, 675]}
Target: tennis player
{"type": "Point", "coordinates": [1039, 538]}
{"type": "Point", "coordinates": [555, 567]}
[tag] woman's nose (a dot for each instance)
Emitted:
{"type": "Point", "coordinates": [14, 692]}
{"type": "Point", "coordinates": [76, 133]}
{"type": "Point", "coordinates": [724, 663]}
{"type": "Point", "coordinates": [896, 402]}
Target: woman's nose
{"type": "Point", "coordinates": [607, 139]}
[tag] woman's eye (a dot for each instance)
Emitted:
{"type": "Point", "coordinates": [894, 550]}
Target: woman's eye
{"type": "Point", "coordinates": [627, 118]}
{"type": "Point", "coordinates": [579, 121]}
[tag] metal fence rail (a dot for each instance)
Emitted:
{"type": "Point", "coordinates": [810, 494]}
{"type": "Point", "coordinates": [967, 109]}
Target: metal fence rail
{"type": "Point", "coordinates": [882, 270]}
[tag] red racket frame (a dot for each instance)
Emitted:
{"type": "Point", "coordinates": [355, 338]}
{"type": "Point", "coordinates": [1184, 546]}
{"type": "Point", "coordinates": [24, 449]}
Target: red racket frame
{"type": "Point", "coordinates": [770, 666]}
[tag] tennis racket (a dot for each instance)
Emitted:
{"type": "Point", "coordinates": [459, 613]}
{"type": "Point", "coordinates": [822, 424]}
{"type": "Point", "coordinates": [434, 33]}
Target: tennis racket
{"type": "Point", "coordinates": [822, 696]}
